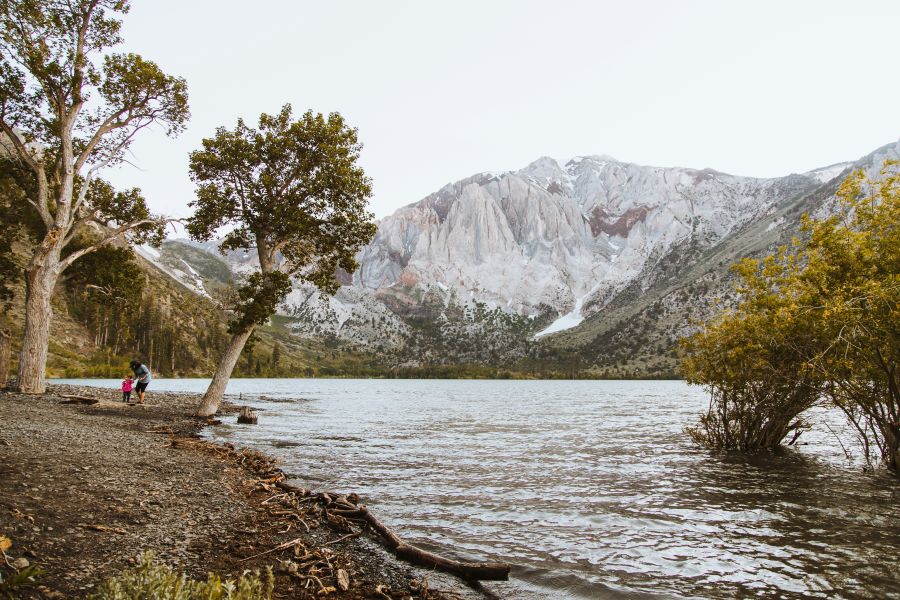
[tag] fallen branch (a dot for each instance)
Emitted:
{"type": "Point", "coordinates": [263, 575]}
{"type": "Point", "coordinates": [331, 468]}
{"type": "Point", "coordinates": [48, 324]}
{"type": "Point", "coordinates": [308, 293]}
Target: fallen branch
{"type": "Point", "coordinates": [72, 399]}
{"type": "Point", "coordinates": [283, 546]}
{"type": "Point", "coordinates": [346, 507]}
{"type": "Point", "coordinates": [341, 539]}
{"type": "Point", "coordinates": [408, 552]}
{"type": "Point", "coordinates": [104, 528]}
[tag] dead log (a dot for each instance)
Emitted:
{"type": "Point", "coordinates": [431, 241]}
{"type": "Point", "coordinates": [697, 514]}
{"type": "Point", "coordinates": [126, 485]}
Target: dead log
{"type": "Point", "coordinates": [4, 356]}
{"type": "Point", "coordinates": [247, 416]}
{"type": "Point", "coordinates": [430, 560]}
{"type": "Point", "coordinates": [404, 551]}
{"type": "Point", "coordinates": [72, 399]}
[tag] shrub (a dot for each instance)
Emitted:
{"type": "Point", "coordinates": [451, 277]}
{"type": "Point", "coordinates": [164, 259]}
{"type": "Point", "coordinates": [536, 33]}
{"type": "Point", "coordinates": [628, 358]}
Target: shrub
{"type": "Point", "coordinates": [818, 320]}
{"type": "Point", "coordinates": [754, 361]}
{"type": "Point", "coordinates": [153, 581]}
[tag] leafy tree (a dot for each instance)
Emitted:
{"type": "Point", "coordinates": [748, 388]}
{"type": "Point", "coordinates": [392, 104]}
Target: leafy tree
{"type": "Point", "coordinates": [11, 220]}
{"type": "Point", "coordinates": [106, 294]}
{"type": "Point", "coordinates": [69, 108]}
{"type": "Point", "coordinates": [850, 284]}
{"type": "Point", "coordinates": [820, 320]}
{"type": "Point", "coordinates": [754, 363]}
{"type": "Point", "coordinates": [291, 191]}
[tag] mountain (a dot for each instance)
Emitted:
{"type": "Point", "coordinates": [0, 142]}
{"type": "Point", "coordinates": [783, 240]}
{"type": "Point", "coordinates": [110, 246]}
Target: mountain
{"type": "Point", "coordinates": [563, 239]}
{"type": "Point", "coordinates": [593, 264]}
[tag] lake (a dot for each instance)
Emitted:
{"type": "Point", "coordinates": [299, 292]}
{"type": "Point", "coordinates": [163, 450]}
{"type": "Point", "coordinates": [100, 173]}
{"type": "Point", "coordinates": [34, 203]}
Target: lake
{"type": "Point", "coordinates": [590, 488]}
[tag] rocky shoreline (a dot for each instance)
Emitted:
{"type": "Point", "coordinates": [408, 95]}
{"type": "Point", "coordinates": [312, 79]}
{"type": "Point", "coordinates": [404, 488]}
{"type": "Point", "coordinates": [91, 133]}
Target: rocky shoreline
{"type": "Point", "coordinates": [87, 488]}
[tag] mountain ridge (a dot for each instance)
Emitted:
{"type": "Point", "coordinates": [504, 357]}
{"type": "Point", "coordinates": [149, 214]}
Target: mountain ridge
{"type": "Point", "coordinates": [562, 256]}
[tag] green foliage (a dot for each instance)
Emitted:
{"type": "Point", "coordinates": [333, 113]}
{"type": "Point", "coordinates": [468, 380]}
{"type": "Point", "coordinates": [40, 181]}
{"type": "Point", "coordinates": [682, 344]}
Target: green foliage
{"type": "Point", "coordinates": [276, 354]}
{"type": "Point", "coordinates": [170, 329]}
{"type": "Point", "coordinates": [108, 276]}
{"type": "Point", "coordinates": [290, 189]}
{"type": "Point", "coordinates": [110, 205]}
{"type": "Point", "coordinates": [152, 581]}
{"type": "Point", "coordinates": [17, 580]}
{"type": "Point", "coordinates": [257, 299]}
{"type": "Point", "coordinates": [819, 318]}
{"type": "Point", "coordinates": [64, 115]}
{"type": "Point", "coordinates": [150, 95]}
{"type": "Point", "coordinates": [49, 72]}
{"type": "Point", "coordinates": [851, 287]}
{"type": "Point", "coordinates": [11, 221]}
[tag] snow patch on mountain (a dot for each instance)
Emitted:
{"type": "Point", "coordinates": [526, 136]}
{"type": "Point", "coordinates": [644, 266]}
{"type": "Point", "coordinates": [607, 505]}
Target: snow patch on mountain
{"type": "Point", "coordinates": [826, 174]}
{"type": "Point", "coordinates": [189, 278]}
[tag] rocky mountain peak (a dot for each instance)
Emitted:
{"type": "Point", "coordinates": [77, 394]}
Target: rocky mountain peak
{"type": "Point", "coordinates": [557, 244]}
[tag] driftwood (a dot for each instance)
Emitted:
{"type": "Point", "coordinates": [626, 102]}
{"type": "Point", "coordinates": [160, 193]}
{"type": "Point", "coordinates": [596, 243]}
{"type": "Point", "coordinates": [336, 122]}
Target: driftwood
{"type": "Point", "coordinates": [247, 416]}
{"type": "Point", "coordinates": [346, 507]}
{"type": "Point", "coordinates": [72, 399]}
{"type": "Point", "coordinates": [337, 511]}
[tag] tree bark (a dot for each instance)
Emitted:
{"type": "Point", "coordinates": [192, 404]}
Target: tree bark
{"type": "Point", "coordinates": [4, 356]}
{"type": "Point", "coordinates": [40, 279]}
{"type": "Point", "coordinates": [213, 396]}
{"type": "Point", "coordinates": [247, 416]}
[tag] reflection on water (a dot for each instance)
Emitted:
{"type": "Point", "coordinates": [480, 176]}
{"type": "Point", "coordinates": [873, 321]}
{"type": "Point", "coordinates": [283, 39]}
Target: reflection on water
{"type": "Point", "coordinates": [589, 488]}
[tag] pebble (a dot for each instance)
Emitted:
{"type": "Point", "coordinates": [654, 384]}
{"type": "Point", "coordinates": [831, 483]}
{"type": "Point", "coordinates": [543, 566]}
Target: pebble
{"type": "Point", "coordinates": [20, 563]}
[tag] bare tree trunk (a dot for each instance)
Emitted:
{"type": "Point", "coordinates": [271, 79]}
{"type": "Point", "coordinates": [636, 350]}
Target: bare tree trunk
{"type": "Point", "coordinates": [39, 282]}
{"type": "Point", "coordinates": [4, 356]}
{"type": "Point", "coordinates": [213, 396]}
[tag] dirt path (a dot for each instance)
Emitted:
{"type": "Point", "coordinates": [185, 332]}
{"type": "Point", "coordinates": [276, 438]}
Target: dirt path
{"type": "Point", "coordinates": [85, 489]}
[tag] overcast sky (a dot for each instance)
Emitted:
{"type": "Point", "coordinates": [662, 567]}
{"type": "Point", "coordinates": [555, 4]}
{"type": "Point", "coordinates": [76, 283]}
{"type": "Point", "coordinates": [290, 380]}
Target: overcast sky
{"type": "Point", "coordinates": [442, 90]}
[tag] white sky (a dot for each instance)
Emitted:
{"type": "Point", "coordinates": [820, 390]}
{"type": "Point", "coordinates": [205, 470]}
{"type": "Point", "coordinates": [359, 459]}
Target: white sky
{"type": "Point", "coordinates": [442, 90]}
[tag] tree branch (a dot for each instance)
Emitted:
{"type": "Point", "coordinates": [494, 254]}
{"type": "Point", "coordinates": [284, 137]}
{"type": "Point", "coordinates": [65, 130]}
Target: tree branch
{"type": "Point", "coordinates": [19, 146]}
{"type": "Point", "coordinates": [115, 234]}
{"type": "Point", "coordinates": [40, 204]}
{"type": "Point", "coordinates": [82, 193]}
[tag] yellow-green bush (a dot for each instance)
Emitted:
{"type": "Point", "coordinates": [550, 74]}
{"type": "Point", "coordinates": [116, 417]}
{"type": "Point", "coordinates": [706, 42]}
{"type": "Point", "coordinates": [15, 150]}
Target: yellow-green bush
{"type": "Point", "coordinates": [153, 581]}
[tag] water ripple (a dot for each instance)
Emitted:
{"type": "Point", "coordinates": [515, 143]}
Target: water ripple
{"type": "Point", "coordinates": [590, 488]}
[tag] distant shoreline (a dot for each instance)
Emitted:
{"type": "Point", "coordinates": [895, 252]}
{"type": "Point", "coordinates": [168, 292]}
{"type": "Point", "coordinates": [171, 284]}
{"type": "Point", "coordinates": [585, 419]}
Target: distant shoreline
{"type": "Point", "coordinates": [337, 377]}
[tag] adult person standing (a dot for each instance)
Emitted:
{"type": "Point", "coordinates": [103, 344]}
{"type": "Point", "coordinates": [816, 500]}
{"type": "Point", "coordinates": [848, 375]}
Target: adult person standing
{"type": "Point", "coordinates": [142, 378]}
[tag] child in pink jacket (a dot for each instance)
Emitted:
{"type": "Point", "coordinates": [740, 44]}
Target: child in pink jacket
{"type": "Point", "coordinates": [127, 386]}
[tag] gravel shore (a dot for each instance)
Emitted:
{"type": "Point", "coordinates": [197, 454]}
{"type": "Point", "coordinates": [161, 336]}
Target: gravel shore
{"type": "Point", "coordinates": [86, 488]}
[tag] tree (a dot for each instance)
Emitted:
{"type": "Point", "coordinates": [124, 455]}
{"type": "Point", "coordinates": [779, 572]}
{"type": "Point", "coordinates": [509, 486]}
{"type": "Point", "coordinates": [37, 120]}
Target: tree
{"type": "Point", "coordinates": [11, 221]}
{"type": "Point", "coordinates": [69, 108]}
{"type": "Point", "coordinates": [292, 191]}
{"type": "Point", "coordinates": [754, 361]}
{"type": "Point", "coordinates": [820, 320]}
{"type": "Point", "coordinates": [276, 355]}
{"type": "Point", "coordinates": [851, 286]}
{"type": "Point", "coordinates": [106, 294]}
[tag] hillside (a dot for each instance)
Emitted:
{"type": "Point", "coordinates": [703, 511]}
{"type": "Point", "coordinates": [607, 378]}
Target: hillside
{"type": "Point", "coordinates": [594, 267]}
{"type": "Point", "coordinates": [637, 331]}
{"type": "Point", "coordinates": [176, 330]}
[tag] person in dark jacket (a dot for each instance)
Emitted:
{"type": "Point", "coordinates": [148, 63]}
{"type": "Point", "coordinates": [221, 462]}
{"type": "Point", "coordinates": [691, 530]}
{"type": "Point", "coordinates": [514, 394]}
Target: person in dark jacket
{"type": "Point", "coordinates": [142, 378]}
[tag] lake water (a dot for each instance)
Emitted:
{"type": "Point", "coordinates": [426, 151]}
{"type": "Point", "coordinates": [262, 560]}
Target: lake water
{"type": "Point", "coordinates": [589, 488]}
